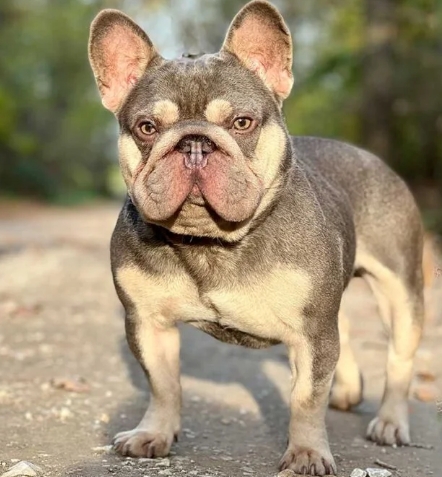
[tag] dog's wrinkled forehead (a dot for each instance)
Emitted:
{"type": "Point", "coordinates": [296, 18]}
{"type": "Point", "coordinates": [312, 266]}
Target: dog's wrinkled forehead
{"type": "Point", "coordinates": [211, 88]}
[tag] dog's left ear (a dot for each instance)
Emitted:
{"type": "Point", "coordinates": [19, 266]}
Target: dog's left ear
{"type": "Point", "coordinates": [260, 39]}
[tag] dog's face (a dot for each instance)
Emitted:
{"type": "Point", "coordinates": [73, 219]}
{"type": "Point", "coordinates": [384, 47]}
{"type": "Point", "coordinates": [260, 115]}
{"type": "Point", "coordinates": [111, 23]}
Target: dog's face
{"type": "Point", "coordinates": [202, 141]}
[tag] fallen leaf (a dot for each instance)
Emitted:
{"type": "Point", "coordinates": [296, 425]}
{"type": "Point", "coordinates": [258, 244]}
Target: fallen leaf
{"type": "Point", "coordinates": [425, 392]}
{"type": "Point", "coordinates": [426, 376]}
{"type": "Point", "coordinates": [78, 385]}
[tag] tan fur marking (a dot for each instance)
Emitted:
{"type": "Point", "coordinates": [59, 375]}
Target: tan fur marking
{"type": "Point", "coordinates": [301, 363]}
{"type": "Point", "coordinates": [166, 111]}
{"type": "Point", "coordinates": [167, 299]}
{"type": "Point", "coordinates": [392, 287]}
{"type": "Point", "coordinates": [195, 220]}
{"type": "Point", "coordinates": [218, 111]}
{"type": "Point", "coordinates": [400, 316]}
{"type": "Point", "coordinates": [274, 302]}
{"type": "Point", "coordinates": [130, 155]}
{"type": "Point", "coordinates": [429, 260]}
{"type": "Point", "coordinates": [269, 153]}
{"type": "Point", "coordinates": [346, 391]}
{"type": "Point", "coordinates": [395, 304]}
{"type": "Point", "coordinates": [270, 307]}
{"type": "Point", "coordinates": [159, 350]}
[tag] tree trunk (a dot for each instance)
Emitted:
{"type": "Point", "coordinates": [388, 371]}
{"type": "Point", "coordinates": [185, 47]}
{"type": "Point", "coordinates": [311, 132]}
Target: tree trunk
{"type": "Point", "coordinates": [378, 70]}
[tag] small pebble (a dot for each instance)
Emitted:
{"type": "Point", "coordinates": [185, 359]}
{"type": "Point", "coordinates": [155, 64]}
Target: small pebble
{"type": "Point", "coordinates": [358, 473]}
{"type": "Point", "coordinates": [165, 472]}
{"type": "Point", "coordinates": [23, 468]}
{"type": "Point", "coordinates": [64, 414]}
{"type": "Point", "coordinates": [103, 449]}
{"type": "Point", "coordinates": [104, 418]}
{"type": "Point", "coordinates": [287, 473]}
{"type": "Point", "coordinates": [163, 463]}
{"type": "Point", "coordinates": [378, 473]}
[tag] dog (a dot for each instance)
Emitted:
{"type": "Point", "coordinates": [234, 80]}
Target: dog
{"type": "Point", "coordinates": [237, 228]}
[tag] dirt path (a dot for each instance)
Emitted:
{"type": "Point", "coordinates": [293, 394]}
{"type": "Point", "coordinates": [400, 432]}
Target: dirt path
{"type": "Point", "coordinates": [60, 318]}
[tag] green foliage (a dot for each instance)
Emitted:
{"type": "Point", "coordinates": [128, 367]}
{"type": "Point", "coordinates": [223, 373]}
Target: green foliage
{"type": "Point", "coordinates": [55, 138]}
{"type": "Point", "coordinates": [367, 71]}
{"type": "Point", "coordinates": [338, 78]}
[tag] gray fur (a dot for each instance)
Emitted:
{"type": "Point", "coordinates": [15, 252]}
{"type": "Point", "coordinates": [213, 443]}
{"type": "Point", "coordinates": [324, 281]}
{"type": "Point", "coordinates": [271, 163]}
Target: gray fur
{"type": "Point", "coordinates": [338, 211]}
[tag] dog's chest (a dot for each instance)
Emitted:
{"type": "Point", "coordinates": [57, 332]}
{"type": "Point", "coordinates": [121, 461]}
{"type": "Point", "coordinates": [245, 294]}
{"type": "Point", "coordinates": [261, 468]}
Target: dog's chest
{"type": "Point", "coordinates": [254, 312]}
{"type": "Point", "coordinates": [267, 307]}
{"type": "Point", "coordinates": [257, 314]}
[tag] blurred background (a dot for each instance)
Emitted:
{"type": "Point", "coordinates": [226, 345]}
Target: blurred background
{"type": "Point", "coordinates": [367, 71]}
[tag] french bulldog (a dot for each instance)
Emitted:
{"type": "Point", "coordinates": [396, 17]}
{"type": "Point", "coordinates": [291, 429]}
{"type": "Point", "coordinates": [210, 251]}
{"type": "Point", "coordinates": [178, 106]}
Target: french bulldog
{"type": "Point", "coordinates": [252, 235]}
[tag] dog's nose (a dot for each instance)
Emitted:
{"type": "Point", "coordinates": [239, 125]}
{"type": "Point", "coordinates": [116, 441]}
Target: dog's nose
{"type": "Point", "coordinates": [195, 150]}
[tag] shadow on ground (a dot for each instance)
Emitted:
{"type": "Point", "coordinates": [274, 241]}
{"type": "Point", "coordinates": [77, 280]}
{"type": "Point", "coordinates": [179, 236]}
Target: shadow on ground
{"type": "Point", "coordinates": [224, 439]}
{"type": "Point", "coordinates": [59, 317]}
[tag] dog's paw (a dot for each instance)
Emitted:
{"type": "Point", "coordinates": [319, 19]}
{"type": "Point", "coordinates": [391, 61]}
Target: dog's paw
{"type": "Point", "coordinates": [344, 396]}
{"type": "Point", "coordinates": [142, 443]}
{"type": "Point", "coordinates": [303, 460]}
{"type": "Point", "coordinates": [388, 432]}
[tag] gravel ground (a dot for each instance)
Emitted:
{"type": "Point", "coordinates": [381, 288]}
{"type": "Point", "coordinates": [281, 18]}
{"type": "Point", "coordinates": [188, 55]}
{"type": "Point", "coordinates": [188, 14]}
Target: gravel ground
{"type": "Point", "coordinates": [68, 382]}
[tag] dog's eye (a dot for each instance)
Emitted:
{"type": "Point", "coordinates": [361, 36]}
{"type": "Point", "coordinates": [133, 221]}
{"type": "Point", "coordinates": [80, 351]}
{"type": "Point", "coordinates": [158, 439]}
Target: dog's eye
{"type": "Point", "coordinates": [147, 128]}
{"type": "Point", "coordinates": [242, 124]}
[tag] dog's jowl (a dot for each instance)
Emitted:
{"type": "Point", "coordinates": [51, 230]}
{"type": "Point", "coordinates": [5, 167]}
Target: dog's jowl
{"type": "Point", "coordinates": [252, 235]}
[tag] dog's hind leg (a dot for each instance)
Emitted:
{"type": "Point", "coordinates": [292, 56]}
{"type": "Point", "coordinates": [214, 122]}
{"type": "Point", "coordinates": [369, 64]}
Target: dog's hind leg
{"type": "Point", "coordinates": [347, 384]}
{"type": "Point", "coordinates": [400, 299]}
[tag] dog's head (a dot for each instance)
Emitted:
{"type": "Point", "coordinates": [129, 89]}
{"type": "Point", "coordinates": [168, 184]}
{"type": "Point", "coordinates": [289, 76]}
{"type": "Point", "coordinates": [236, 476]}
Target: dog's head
{"type": "Point", "coordinates": [202, 141]}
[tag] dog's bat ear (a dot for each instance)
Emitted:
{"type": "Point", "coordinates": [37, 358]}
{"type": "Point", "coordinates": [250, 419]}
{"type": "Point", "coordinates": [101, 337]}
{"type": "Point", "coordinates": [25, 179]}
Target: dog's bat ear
{"type": "Point", "coordinates": [260, 39]}
{"type": "Point", "coordinates": [119, 53]}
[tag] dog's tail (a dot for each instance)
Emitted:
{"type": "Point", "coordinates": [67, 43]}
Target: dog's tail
{"type": "Point", "coordinates": [431, 271]}
{"type": "Point", "coordinates": [429, 260]}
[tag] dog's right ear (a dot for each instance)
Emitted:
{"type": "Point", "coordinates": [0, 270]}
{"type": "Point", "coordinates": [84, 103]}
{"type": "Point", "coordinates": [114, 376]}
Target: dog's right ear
{"type": "Point", "coordinates": [119, 53]}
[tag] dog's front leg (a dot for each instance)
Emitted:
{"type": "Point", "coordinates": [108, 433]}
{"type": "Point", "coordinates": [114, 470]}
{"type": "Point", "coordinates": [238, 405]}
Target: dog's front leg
{"type": "Point", "coordinates": [313, 359]}
{"type": "Point", "coordinates": [157, 349]}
